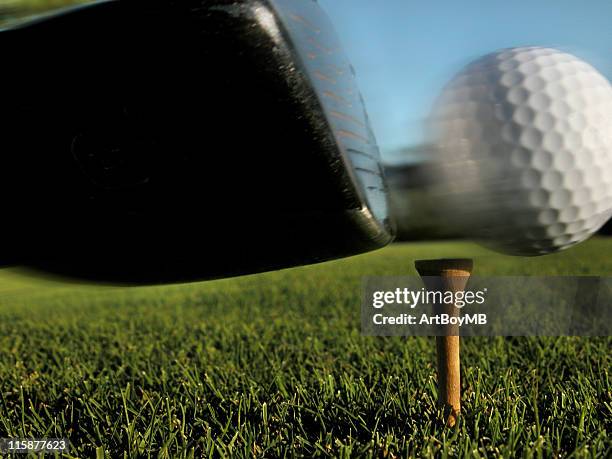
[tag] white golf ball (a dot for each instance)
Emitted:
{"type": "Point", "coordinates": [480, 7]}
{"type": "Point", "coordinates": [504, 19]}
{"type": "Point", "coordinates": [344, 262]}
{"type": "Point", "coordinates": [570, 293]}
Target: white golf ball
{"type": "Point", "coordinates": [523, 145]}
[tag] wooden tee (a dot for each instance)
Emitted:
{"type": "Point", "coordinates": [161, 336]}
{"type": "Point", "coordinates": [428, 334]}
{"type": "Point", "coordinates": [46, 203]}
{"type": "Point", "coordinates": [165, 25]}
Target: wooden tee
{"type": "Point", "coordinates": [447, 275]}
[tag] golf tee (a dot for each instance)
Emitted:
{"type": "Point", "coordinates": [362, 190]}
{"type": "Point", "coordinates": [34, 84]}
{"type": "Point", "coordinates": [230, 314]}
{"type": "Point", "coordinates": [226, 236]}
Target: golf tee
{"type": "Point", "coordinates": [447, 275]}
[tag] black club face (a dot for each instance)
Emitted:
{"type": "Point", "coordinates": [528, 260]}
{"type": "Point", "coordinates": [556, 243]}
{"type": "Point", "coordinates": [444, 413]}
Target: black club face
{"type": "Point", "coordinates": [162, 140]}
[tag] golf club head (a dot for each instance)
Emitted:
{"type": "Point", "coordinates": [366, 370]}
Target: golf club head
{"type": "Point", "coordinates": [159, 141]}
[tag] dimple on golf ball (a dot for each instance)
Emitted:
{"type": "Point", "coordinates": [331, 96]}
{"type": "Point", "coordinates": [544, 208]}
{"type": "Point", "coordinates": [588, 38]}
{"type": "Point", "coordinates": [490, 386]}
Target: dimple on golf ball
{"type": "Point", "coordinates": [523, 144]}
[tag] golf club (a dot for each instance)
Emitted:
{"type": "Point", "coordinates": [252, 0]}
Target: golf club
{"type": "Point", "coordinates": [161, 141]}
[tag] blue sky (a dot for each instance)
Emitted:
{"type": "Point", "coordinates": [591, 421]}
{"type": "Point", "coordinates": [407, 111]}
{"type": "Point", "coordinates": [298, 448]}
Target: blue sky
{"type": "Point", "coordinates": [404, 51]}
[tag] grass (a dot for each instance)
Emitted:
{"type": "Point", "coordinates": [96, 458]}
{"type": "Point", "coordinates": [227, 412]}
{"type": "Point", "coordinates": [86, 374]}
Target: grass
{"type": "Point", "coordinates": [274, 365]}
{"type": "Point", "coordinates": [17, 10]}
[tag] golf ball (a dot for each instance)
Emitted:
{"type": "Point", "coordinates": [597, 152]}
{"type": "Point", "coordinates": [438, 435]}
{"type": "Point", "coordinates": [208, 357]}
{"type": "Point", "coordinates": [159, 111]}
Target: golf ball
{"type": "Point", "coordinates": [522, 141]}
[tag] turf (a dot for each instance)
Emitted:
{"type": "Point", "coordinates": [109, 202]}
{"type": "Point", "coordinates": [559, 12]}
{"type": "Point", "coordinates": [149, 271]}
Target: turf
{"type": "Point", "coordinates": [15, 12]}
{"type": "Point", "coordinates": [274, 365]}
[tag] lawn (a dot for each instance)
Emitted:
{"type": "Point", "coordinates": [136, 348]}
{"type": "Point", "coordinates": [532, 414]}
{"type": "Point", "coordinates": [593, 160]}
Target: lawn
{"type": "Point", "coordinates": [274, 365]}
{"type": "Point", "coordinates": [16, 10]}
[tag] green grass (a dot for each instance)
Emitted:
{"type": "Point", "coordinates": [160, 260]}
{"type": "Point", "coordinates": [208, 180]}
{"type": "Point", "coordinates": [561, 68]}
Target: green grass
{"type": "Point", "coordinates": [274, 365]}
{"type": "Point", "coordinates": [14, 11]}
